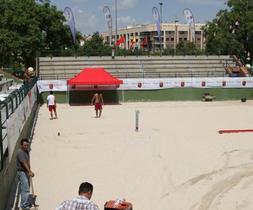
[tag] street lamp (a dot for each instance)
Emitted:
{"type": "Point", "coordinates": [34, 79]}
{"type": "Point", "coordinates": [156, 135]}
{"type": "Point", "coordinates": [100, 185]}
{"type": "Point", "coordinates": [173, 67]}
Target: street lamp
{"type": "Point", "coordinates": [113, 49]}
{"type": "Point", "coordinates": [161, 20]}
{"type": "Point", "coordinates": [175, 37]}
{"type": "Point", "coordinates": [161, 11]}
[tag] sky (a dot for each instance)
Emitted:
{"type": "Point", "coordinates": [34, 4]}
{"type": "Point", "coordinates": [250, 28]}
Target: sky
{"type": "Point", "coordinates": [89, 15]}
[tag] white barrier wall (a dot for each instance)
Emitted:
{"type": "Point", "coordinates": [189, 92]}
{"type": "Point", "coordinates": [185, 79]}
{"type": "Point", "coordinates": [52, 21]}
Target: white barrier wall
{"type": "Point", "coordinates": [161, 83]}
{"type": "Point", "coordinates": [17, 120]}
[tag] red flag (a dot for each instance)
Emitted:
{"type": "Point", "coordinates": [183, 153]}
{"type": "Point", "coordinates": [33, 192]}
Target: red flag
{"type": "Point", "coordinates": [120, 40]}
{"type": "Point", "coordinates": [144, 41]}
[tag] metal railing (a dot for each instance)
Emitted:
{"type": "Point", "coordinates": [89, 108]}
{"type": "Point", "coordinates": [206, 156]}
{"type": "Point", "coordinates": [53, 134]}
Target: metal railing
{"type": "Point", "coordinates": [143, 74]}
{"type": "Point", "coordinates": [7, 108]}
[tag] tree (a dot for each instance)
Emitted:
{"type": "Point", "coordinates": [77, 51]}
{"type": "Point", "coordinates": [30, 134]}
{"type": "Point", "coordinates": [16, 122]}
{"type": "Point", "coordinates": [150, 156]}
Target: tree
{"type": "Point", "coordinates": [56, 35]}
{"type": "Point", "coordinates": [95, 47]}
{"type": "Point", "coordinates": [187, 48]}
{"type": "Point", "coordinates": [231, 32]}
{"type": "Point", "coordinates": [28, 28]}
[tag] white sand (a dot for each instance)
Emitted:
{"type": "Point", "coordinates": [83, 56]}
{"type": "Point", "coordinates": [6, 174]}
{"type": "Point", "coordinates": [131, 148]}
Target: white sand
{"type": "Point", "coordinates": [176, 161]}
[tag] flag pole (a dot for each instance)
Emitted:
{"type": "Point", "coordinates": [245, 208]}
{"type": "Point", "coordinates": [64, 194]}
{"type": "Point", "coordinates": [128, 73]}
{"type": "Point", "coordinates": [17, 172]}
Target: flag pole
{"type": "Point", "coordinates": [116, 26]}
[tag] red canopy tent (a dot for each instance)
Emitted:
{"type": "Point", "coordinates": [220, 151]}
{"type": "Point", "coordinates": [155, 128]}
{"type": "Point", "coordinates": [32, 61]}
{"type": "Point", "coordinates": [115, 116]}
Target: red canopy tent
{"type": "Point", "coordinates": [92, 79]}
{"type": "Point", "coordinates": [94, 76]}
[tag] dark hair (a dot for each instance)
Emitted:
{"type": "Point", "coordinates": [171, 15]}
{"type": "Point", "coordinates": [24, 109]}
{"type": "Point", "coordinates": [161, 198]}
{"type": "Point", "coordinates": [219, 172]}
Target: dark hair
{"type": "Point", "coordinates": [51, 92]}
{"type": "Point", "coordinates": [24, 140]}
{"type": "Point", "coordinates": [85, 187]}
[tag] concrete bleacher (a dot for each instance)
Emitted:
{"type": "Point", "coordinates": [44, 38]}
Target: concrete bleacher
{"type": "Point", "coordinates": [6, 87]}
{"type": "Point", "coordinates": [133, 67]}
{"type": "Point", "coordinates": [5, 83]}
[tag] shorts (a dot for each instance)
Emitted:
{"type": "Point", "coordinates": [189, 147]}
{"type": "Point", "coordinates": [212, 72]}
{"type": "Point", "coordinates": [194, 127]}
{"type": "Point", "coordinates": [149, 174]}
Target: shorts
{"type": "Point", "coordinates": [98, 106]}
{"type": "Point", "coordinates": [52, 108]}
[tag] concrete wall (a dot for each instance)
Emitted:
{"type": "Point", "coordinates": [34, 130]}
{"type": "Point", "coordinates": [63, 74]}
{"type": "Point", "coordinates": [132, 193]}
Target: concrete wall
{"type": "Point", "coordinates": [8, 174]}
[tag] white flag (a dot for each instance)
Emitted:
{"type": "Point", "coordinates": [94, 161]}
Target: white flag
{"type": "Point", "coordinates": [70, 22]}
{"type": "Point", "coordinates": [190, 20]}
{"type": "Point", "coordinates": [108, 18]}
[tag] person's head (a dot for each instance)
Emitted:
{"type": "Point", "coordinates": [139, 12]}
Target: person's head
{"type": "Point", "coordinates": [24, 143]}
{"type": "Point", "coordinates": [86, 189]}
{"type": "Point", "coordinates": [51, 93]}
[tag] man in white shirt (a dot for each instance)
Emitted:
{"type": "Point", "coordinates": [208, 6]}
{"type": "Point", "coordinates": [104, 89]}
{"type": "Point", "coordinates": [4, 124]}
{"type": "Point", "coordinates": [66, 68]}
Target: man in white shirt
{"type": "Point", "coordinates": [81, 202]}
{"type": "Point", "coordinates": [51, 104]}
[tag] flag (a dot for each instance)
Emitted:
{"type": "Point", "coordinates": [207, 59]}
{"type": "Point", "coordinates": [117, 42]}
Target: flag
{"type": "Point", "coordinates": [144, 42]}
{"type": "Point", "coordinates": [133, 42]}
{"type": "Point", "coordinates": [70, 21]}
{"type": "Point", "coordinates": [156, 16]}
{"type": "Point", "coordinates": [190, 20]}
{"type": "Point", "coordinates": [108, 18]}
{"type": "Point", "coordinates": [120, 40]}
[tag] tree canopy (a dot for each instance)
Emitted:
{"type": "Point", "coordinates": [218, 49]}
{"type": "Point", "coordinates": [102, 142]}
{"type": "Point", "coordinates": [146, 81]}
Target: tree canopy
{"type": "Point", "coordinates": [231, 32]}
{"type": "Point", "coordinates": [28, 28]}
{"type": "Point", "coordinates": [187, 48]}
{"type": "Point", "coordinates": [95, 46]}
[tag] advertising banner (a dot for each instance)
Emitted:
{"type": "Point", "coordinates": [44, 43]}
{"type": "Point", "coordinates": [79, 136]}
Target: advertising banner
{"type": "Point", "coordinates": [70, 20]}
{"type": "Point", "coordinates": [157, 19]}
{"type": "Point", "coordinates": [156, 83]}
{"type": "Point", "coordinates": [108, 18]}
{"type": "Point", "coordinates": [190, 20]}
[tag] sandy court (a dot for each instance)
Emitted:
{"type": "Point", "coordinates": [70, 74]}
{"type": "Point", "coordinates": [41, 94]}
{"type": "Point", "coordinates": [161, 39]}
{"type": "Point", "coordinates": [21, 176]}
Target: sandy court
{"type": "Point", "coordinates": [176, 161]}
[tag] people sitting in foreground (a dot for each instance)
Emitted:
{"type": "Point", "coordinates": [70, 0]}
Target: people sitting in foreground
{"type": "Point", "coordinates": [81, 202]}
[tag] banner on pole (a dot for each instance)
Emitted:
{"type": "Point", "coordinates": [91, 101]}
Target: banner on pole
{"type": "Point", "coordinates": [157, 19]}
{"type": "Point", "coordinates": [70, 20]}
{"type": "Point", "coordinates": [120, 41]}
{"type": "Point", "coordinates": [108, 18]}
{"type": "Point", "coordinates": [190, 20]}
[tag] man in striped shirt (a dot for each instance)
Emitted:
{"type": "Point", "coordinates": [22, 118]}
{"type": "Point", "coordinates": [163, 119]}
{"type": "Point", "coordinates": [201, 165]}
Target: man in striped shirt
{"type": "Point", "coordinates": [81, 202]}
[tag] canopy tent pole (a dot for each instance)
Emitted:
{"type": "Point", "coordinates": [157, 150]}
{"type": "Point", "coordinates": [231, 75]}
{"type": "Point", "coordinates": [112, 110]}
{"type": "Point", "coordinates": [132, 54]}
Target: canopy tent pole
{"type": "Point", "coordinates": [123, 96]}
{"type": "Point", "coordinates": [67, 93]}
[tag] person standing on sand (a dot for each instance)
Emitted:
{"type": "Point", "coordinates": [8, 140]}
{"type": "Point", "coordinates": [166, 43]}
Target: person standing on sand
{"type": "Point", "coordinates": [51, 104]}
{"type": "Point", "coordinates": [97, 101]}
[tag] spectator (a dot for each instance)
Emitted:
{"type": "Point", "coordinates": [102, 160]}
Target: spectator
{"type": "Point", "coordinates": [81, 202]}
{"type": "Point", "coordinates": [26, 76]}
{"type": "Point", "coordinates": [24, 172]}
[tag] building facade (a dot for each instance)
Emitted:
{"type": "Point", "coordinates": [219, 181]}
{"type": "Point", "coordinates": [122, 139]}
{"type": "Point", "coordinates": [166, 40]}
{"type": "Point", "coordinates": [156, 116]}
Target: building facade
{"type": "Point", "coordinates": [146, 36]}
